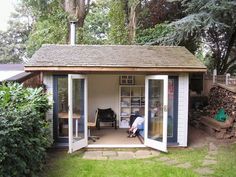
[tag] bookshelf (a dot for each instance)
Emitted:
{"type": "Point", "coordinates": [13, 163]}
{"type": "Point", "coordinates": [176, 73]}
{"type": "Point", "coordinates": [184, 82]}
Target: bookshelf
{"type": "Point", "coordinates": [131, 100]}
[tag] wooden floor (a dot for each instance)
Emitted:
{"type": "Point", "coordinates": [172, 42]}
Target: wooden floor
{"type": "Point", "coordinates": [110, 135]}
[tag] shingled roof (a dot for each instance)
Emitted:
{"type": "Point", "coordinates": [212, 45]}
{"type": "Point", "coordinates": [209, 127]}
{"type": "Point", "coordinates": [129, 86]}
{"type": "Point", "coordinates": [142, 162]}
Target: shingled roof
{"type": "Point", "coordinates": [67, 57]}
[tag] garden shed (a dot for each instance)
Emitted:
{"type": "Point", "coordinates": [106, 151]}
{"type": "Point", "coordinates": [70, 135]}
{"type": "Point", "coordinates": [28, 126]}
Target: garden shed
{"type": "Point", "coordinates": [150, 80]}
{"type": "Point", "coordinates": [16, 73]}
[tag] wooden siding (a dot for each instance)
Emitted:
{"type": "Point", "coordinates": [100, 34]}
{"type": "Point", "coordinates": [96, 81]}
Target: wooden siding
{"type": "Point", "coordinates": [183, 109]}
{"type": "Point", "coordinates": [48, 81]}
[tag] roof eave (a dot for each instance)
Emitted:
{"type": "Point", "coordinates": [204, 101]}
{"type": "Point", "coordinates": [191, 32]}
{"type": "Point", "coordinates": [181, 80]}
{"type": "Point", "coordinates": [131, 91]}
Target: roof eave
{"type": "Point", "coordinates": [111, 69]}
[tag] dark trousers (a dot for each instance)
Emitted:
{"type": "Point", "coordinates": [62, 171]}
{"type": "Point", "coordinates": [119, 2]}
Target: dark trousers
{"type": "Point", "coordinates": [132, 119]}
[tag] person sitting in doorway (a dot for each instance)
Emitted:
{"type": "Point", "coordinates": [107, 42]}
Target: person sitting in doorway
{"type": "Point", "coordinates": [133, 129]}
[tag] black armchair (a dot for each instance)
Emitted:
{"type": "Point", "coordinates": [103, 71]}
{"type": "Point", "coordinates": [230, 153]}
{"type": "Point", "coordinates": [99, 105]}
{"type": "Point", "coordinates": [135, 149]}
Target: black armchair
{"type": "Point", "coordinates": [106, 115]}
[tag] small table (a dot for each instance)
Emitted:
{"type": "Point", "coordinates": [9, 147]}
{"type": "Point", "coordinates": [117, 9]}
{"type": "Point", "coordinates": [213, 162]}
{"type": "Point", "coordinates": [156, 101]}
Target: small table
{"type": "Point", "coordinates": [64, 115]}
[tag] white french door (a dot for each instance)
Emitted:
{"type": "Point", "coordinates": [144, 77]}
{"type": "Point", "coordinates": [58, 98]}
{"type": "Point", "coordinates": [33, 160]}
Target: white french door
{"type": "Point", "coordinates": [156, 101]}
{"type": "Point", "coordinates": [78, 111]}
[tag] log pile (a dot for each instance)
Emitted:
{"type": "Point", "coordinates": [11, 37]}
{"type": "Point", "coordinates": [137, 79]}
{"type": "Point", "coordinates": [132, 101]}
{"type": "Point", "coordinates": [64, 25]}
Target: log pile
{"type": "Point", "coordinates": [222, 98]}
{"type": "Point", "coordinates": [219, 97]}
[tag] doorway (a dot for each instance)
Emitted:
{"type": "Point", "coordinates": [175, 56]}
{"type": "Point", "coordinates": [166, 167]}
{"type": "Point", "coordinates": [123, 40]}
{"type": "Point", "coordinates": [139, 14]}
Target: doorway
{"type": "Point", "coordinates": [60, 125]}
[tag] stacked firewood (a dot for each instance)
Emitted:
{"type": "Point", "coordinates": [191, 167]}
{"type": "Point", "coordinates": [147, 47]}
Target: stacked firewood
{"type": "Point", "coordinates": [219, 97]}
{"type": "Point", "coordinates": [222, 98]}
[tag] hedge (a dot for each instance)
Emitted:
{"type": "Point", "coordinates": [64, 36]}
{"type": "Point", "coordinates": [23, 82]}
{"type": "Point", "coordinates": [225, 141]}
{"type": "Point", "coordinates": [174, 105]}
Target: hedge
{"type": "Point", "coordinates": [24, 133]}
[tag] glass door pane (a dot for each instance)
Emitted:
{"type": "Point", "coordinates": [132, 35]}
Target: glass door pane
{"type": "Point", "coordinates": [156, 112]}
{"type": "Point", "coordinates": [62, 107]}
{"type": "Point", "coordinates": [78, 109]}
{"type": "Point", "coordinates": [77, 112]}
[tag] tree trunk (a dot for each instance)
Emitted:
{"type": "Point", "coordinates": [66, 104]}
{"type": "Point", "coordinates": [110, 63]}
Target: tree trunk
{"type": "Point", "coordinates": [132, 25]}
{"type": "Point", "coordinates": [77, 10]}
{"type": "Point", "coordinates": [132, 21]}
{"type": "Point", "coordinates": [70, 6]}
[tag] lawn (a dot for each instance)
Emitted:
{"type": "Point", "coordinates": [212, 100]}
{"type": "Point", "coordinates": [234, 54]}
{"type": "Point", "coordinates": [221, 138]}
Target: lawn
{"type": "Point", "coordinates": [62, 164]}
{"type": "Point", "coordinates": [226, 165]}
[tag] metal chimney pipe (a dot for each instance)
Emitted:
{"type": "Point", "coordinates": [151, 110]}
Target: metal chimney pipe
{"type": "Point", "coordinates": [72, 32]}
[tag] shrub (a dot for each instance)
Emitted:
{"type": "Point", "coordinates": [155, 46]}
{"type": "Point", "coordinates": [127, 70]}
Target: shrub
{"type": "Point", "coordinates": [24, 133]}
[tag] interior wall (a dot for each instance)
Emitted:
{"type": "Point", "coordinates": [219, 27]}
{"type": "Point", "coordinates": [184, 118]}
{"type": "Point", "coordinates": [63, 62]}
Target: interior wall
{"type": "Point", "coordinates": [103, 92]}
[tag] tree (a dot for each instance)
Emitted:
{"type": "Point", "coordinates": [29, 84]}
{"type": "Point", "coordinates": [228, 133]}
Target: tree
{"type": "Point", "coordinates": [146, 36]}
{"type": "Point", "coordinates": [12, 41]}
{"type": "Point", "coordinates": [153, 12]}
{"type": "Point", "coordinates": [53, 18]}
{"type": "Point", "coordinates": [118, 33]}
{"type": "Point", "coordinates": [132, 20]}
{"type": "Point", "coordinates": [96, 24]}
{"type": "Point", "coordinates": [50, 28]}
{"type": "Point", "coordinates": [208, 22]}
{"type": "Point", "coordinates": [77, 10]}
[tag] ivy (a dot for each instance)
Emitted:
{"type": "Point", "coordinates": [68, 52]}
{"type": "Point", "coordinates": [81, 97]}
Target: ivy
{"type": "Point", "coordinates": [118, 33]}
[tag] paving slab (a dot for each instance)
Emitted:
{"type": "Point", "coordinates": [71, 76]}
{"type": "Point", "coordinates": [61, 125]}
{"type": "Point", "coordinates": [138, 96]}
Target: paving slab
{"type": "Point", "coordinates": [210, 157]}
{"type": "Point", "coordinates": [213, 153]}
{"type": "Point", "coordinates": [209, 162]}
{"type": "Point", "coordinates": [143, 154]}
{"type": "Point", "coordinates": [149, 161]}
{"type": "Point", "coordinates": [184, 165]}
{"type": "Point", "coordinates": [95, 155]}
{"type": "Point", "coordinates": [109, 153]}
{"type": "Point", "coordinates": [204, 171]}
{"type": "Point", "coordinates": [164, 159]}
{"type": "Point", "coordinates": [123, 155]}
{"type": "Point", "coordinates": [212, 147]}
{"type": "Point", "coordinates": [171, 162]}
{"type": "Point", "coordinates": [155, 153]}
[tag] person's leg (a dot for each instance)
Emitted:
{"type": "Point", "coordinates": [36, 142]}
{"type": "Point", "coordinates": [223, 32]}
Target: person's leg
{"type": "Point", "coordinates": [133, 132]}
{"type": "Point", "coordinates": [131, 120]}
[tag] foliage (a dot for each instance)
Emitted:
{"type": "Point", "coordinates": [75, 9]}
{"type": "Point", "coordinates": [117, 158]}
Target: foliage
{"type": "Point", "coordinates": [50, 28]}
{"type": "Point", "coordinates": [39, 7]}
{"type": "Point", "coordinates": [212, 23]}
{"type": "Point", "coordinates": [24, 134]}
{"type": "Point", "coordinates": [150, 34]}
{"type": "Point", "coordinates": [155, 12]}
{"type": "Point", "coordinates": [204, 57]}
{"type": "Point", "coordinates": [12, 41]}
{"type": "Point", "coordinates": [118, 33]}
{"type": "Point", "coordinates": [96, 24]}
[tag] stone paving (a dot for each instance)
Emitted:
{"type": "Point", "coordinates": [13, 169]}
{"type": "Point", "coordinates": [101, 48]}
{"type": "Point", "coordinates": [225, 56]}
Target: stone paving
{"type": "Point", "coordinates": [204, 170]}
{"type": "Point", "coordinates": [119, 155]}
{"type": "Point", "coordinates": [208, 161]}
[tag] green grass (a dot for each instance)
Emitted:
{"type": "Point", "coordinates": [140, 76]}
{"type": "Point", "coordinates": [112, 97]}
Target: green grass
{"type": "Point", "coordinates": [194, 156]}
{"type": "Point", "coordinates": [65, 165]}
{"type": "Point", "coordinates": [72, 165]}
{"type": "Point", "coordinates": [226, 165]}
